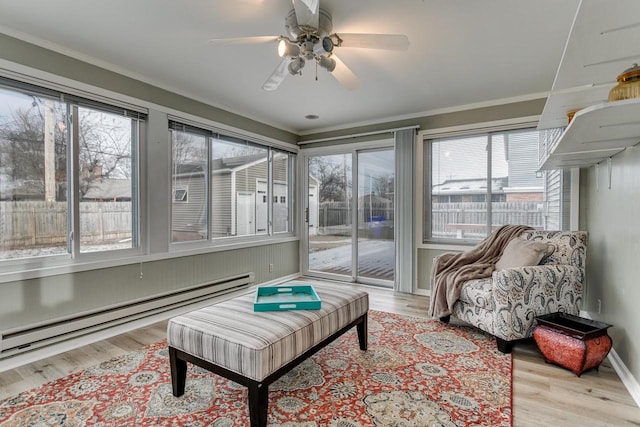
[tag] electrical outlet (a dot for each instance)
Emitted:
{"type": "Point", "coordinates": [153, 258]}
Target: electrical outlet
{"type": "Point", "coordinates": [270, 268]}
{"type": "Point", "coordinates": [599, 306]}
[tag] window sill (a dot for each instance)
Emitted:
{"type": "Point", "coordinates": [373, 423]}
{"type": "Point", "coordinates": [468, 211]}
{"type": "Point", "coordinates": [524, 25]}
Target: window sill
{"type": "Point", "coordinates": [27, 270]}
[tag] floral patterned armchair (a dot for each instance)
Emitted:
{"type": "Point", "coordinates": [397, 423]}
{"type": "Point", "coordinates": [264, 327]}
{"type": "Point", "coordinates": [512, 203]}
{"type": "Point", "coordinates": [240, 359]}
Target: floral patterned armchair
{"type": "Point", "coordinates": [506, 304]}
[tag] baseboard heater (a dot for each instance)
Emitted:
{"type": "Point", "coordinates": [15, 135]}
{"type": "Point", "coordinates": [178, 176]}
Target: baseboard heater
{"type": "Point", "coordinates": [26, 338]}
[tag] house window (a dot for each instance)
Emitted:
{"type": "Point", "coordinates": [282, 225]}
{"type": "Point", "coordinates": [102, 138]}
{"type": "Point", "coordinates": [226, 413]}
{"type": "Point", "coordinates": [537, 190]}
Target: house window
{"type": "Point", "coordinates": [180, 195]}
{"type": "Point", "coordinates": [231, 185]}
{"type": "Point", "coordinates": [68, 174]}
{"type": "Point", "coordinates": [501, 167]}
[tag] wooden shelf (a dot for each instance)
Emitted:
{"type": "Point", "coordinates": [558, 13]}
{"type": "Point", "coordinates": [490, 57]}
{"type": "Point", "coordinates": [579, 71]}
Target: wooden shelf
{"type": "Point", "coordinates": [595, 134]}
{"type": "Point", "coordinates": [560, 103]}
{"type": "Point", "coordinates": [601, 45]}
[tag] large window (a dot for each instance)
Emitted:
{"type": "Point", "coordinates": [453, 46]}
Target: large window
{"type": "Point", "coordinates": [235, 187]}
{"type": "Point", "coordinates": [476, 183]}
{"type": "Point", "coordinates": [68, 174]}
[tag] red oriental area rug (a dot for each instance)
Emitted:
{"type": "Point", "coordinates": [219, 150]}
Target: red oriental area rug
{"type": "Point", "coordinates": [417, 372]}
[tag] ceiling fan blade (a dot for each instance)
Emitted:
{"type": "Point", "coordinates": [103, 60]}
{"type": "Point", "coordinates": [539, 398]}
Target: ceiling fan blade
{"type": "Point", "coordinates": [243, 40]}
{"type": "Point", "coordinates": [344, 75]}
{"type": "Point", "coordinates": [307, 12]}
{"type": "Point", "coordinates": [374, 41]}
{"type": "Point", "coordinates": [278, 75]}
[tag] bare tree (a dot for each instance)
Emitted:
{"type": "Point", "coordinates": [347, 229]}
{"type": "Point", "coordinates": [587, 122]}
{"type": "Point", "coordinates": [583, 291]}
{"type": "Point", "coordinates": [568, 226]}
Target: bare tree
{"type": "Point", "coordinates": [105, 146]}
{"type": "Point", "coordinates": [382, 185]}
{"type": "Point", "coordinates": [22, 148]}
{"type": "Point", "coordinates": [333, 177]}
{"type": "Point", "coordinates": [105, 142]}
{"type": "Point", "coordinates": [188, 148]}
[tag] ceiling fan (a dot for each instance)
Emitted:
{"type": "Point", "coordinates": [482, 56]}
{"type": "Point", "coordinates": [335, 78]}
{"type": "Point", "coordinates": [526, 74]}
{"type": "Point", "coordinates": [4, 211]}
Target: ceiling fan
{"type": "Point", "coordinates": [309, 38]}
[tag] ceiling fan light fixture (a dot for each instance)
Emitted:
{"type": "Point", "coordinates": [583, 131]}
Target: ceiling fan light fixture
{"type": "Point", "coordinates": [327, 63]}
{"type": "Point", "coordinates": [310, 37]}
{"type": "Point", "coordinates": [323, 46]}
{"type": "Point", "coordinates": [286, 48]}
{"type": "Point", "coordinates": [296, 66]}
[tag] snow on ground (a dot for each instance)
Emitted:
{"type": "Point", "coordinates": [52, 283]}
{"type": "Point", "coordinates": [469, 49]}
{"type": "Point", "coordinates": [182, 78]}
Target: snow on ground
{"type": "Point", "coordinates": [376, 258]}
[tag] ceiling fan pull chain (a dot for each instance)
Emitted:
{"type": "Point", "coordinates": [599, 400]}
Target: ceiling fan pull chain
{"type": "Point", "coordinates": [316, 70]}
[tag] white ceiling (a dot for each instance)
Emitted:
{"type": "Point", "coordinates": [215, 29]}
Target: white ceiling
{"type": "Point", "coordinates": [462, 52]}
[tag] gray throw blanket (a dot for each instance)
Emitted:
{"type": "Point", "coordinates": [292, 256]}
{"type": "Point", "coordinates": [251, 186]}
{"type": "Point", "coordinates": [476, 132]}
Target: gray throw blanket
{"type": "Point", "coordinates": [451, 270]}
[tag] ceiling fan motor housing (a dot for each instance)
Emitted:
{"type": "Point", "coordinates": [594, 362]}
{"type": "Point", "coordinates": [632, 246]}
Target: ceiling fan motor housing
{"type": "Point", "coordinates": [295, 31]}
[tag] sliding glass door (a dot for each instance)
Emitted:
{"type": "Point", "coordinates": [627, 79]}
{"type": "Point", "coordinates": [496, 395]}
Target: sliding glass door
{"type": "Point", "coordinates": [349, 232]}
{"type": "Point", "coordinates": [376, 245]}
{"type": "Point", "coordinates": [329, 214]}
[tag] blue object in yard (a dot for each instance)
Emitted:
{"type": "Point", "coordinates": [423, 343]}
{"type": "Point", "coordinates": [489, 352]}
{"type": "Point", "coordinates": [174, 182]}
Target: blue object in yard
{"type": "Point", "coordinates": [376, 225]}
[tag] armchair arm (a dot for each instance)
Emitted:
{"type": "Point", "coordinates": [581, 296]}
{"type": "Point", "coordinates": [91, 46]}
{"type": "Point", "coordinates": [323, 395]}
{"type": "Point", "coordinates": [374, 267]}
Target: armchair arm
{"type": "Point", "coordinates": [523, 293]}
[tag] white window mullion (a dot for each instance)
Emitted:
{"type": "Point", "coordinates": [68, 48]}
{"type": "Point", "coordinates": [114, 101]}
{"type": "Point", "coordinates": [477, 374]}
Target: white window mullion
{"type": "Point", "coordinates": [74, 194]}
{"type": "Point", "coordinates": [208, 189]}
{"type": "Point", "coordinates": [354, 214]}
{"type": "Point", "coordinates": [270, 192]}
{"type": "Point", "coordinates": [489, 183]}
{"type": "Point", "coordinates": [292, 186]}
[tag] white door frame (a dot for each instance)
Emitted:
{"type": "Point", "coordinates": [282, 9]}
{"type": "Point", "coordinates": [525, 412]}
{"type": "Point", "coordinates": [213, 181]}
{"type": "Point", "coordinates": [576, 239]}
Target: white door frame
{"type": "Point", "coordinates": [351, 149]}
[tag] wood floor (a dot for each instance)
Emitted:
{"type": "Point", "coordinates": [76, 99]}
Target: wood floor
{"type": "Point", "coordinates": [543, 394]}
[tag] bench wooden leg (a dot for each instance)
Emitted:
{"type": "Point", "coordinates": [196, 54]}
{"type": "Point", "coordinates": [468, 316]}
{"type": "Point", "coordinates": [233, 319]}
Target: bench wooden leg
{"type": "Point", "coordinates": [362, 333]}
{"type": "Point", "coordinates": [178, 372]}
{"type": "Point", "coordinates": [258, 404]}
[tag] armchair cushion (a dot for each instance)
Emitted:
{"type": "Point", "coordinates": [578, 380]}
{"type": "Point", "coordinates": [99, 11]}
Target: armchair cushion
{"type": "Point", "coordinates": [479, 293]}
{"type": "Point", "coordinates": [566, 247]}
{"type": "Point", "coordinates": [523, 293]}
{"type": "Point", "coordinates": [521, 253]}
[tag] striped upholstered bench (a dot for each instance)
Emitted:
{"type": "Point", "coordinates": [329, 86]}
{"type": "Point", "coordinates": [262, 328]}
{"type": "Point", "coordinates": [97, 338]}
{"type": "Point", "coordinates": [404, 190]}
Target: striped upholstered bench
{"type": "Point", "coordinates": [256, 348]}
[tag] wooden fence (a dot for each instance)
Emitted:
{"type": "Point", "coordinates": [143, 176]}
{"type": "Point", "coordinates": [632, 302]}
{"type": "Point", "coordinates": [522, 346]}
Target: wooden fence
{"type": "Point", "coordinates": [333, 214]}
{"type": "Point", "coordinates": [36, 224]}
{"type": "Point", "coordinates": [458, 220]}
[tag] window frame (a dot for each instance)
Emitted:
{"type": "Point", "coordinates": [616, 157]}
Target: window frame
{"type": "Point", "coordinates": [212, 134]}
{"type": "Point", "coordinates": [72, 101]}
{"type": "Point", "coordinates": [423, 177]}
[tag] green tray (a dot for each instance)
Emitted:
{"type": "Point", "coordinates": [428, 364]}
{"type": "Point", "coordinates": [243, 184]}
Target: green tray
{"type": "Point", "coordinates": [283, 298]}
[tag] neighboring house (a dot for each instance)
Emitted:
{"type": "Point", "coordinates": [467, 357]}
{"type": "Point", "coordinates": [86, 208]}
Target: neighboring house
{"type": "Point", "coordinates": [522, 183]}
{"type": "Point", "coordinates": [525, 183]}
{"type": "Point", "coordinates": [189, 208]}
{"type": "Point", "coordinates": [111, 190]}
{"type": "Point", "coordinates": [469, 190]}
{"type": "Point", "coordinates": [239, 197]}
